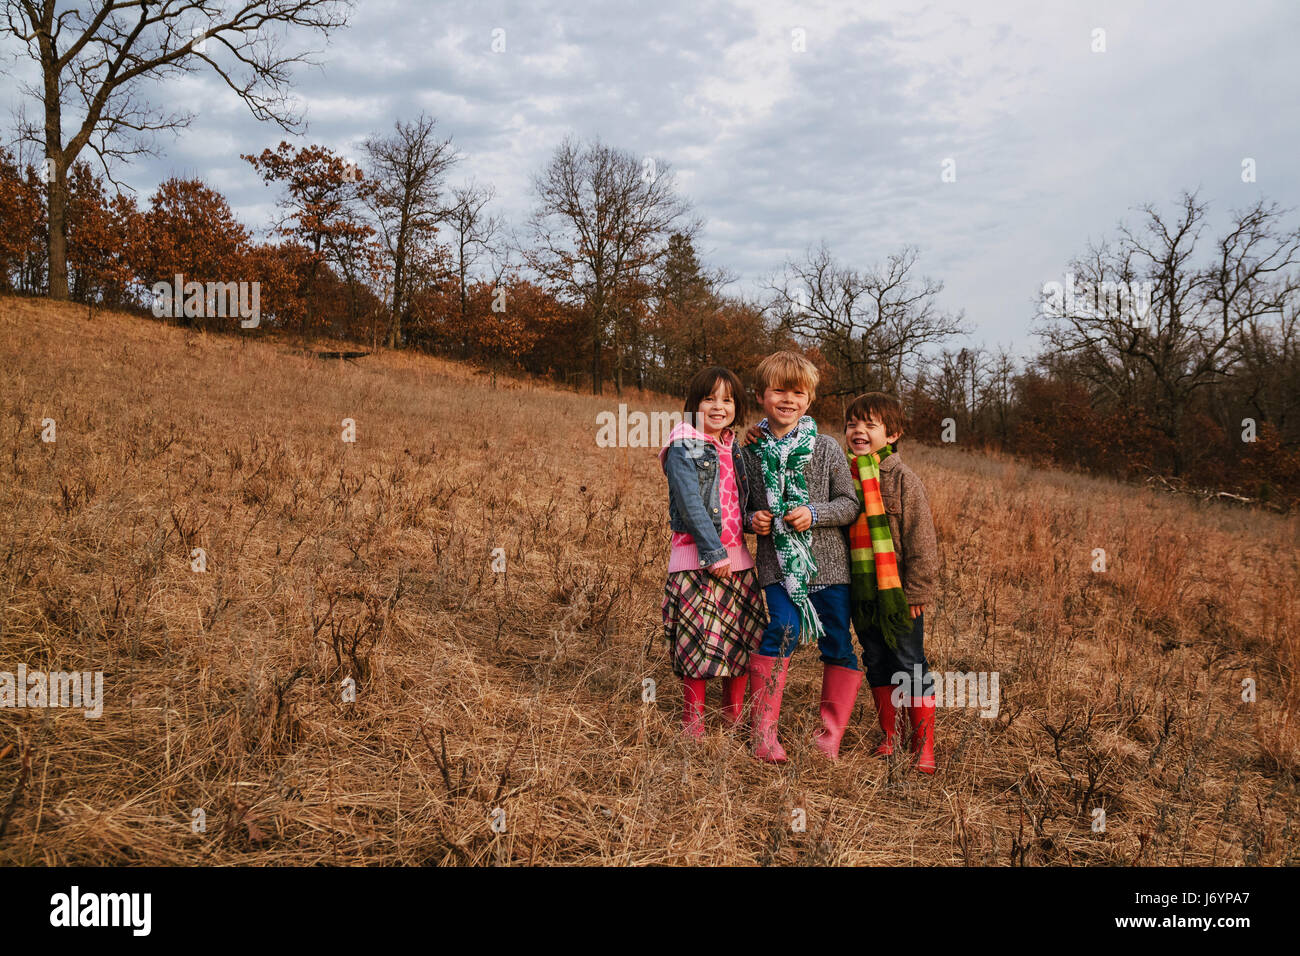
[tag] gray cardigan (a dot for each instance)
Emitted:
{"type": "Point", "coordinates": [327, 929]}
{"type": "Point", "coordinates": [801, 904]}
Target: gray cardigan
{"type": "Point", "coordinates": [834, 499]}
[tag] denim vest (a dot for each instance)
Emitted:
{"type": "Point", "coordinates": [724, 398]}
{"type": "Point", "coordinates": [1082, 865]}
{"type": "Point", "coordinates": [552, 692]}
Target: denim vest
{"type": "Point", "coordinates": [694, 493]}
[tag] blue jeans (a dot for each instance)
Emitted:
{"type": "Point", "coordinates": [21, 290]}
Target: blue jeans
{"type": "Point", "coordinates": [883, 664]}
{"type": "Point", "coordinates": [781, 636]}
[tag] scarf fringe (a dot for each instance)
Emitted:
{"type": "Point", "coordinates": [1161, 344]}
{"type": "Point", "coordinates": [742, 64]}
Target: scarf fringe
{"type": "Point", "coordinates": [890, 614]}
{"type": "Point", "coordinates": [783, 480]}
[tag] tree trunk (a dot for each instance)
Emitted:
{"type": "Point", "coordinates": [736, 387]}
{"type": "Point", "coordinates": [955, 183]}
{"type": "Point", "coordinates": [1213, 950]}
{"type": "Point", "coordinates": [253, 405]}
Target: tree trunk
{"type": "Point", "coordinates": [56, 191]}
{"type": "Point", "coordinates": [354, 314]}
{"type": "Point", "coordinates": [313, 280]}
{"type": "Point", "coordinates": [618, 358]}
{"type": "Point", "coordinates": [395, 326]}
{"type": "Point", "coordinates": [464, 296]}
{"type": "Point", "coordinates": [638, 374]}
{"type": "Point", "coordinates": [595, 352]}
{"type": "Point", "coordinates": [1175, 432]}
{"type": "Point", "coordinates": [57, 207]}
{"type": "Point", "coordinates": [464, 316]}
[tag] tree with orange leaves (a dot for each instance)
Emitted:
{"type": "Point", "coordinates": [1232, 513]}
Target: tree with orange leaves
{"type": "Point", "coordinates": [22, 226]}
{"type": "Point", "coordinates": [101, 236]}
{"type": "Point", "coordinates": [322, 209]}
{"type": "Point", "coordinates": [97, 61]}
{"type": "Point", "coordinates": [190, 230]}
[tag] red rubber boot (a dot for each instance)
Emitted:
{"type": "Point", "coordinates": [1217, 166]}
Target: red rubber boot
{"type": "Point", "coordinates": [693, 707]}
{"type": "Point", "coordinates": [733, 698]}
{"type": "Point", "coordinates": [766, 685]}
{"type": "Point", "coordinates": [888, 715]}
{"type": "Point", "coordinates": [921, 714]}
{"type": "Point", "coordinates": [839, 691]}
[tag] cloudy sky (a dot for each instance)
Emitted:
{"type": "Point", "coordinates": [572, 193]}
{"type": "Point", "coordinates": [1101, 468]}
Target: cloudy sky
{"type": "Point", "coordinates": [780, 142]}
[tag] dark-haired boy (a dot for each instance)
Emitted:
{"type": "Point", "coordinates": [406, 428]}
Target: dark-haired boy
{"type": "Point", "coordinates": [893, 562]}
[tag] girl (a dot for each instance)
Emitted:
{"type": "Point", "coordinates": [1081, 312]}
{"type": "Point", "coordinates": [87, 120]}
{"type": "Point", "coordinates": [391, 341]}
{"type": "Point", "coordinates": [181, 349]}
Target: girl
{"type": "Point", "coordinates": [713, 610]}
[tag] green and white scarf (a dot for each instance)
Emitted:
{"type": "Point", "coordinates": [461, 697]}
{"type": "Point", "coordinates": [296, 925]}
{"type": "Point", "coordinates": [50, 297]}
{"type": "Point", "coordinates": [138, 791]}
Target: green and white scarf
{"type": "Point", "coordinates": [787, 489]}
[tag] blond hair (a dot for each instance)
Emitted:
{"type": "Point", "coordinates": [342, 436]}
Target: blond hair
{"type": "Point", "coordinates": [787, 370]}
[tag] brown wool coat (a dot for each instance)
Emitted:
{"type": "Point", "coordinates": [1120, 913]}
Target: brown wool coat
{"type": "Point", "coordinates": [912, 528]}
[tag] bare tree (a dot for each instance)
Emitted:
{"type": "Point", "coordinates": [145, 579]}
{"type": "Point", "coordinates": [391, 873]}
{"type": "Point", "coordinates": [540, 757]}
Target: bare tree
{"type": "Point", "coordinates": [960, 381]}
{"type": "Point", "coordinates": [1000, 389]}
{"type": "Point", "coordinates": [1267, 381]}
{"type": "Point", "coordinates": [99, 59]}
{"type": "Point", "coordinates": [1151, 328]}
{"type": "Point", "coordinates": [869, 325]}
{"type": "Point", "coordinates": [473, 236]}
{"type": "Point", "coordinates": [600, 226]}
{"type": "Point", "coordinates": [407, 170]}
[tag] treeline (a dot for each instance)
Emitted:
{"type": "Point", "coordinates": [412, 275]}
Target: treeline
{"type": "Point", "coordinates": [1164, 352]}
{"type": "Point", "coordinates": [1169, 353]}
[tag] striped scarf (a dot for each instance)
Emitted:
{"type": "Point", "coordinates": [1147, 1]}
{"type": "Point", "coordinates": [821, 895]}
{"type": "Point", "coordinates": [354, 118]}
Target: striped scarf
{"type": "Point", "coordinates": [787, 489]}
{"type": "Point", "coordinates": [879, 603]}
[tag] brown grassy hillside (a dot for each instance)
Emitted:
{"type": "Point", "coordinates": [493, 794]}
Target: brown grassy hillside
{"type": "Point", "coordinates": [523, 690]}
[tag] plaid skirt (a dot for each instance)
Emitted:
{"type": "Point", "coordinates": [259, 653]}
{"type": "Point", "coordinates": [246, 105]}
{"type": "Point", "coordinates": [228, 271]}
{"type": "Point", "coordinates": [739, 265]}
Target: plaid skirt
{"type": "Point", "coordinates": [711, 624]}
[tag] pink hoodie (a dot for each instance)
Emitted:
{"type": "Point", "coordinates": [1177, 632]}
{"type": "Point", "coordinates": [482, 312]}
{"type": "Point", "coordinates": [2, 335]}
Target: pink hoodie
{"type": "Point", "coordinates": [684, 555]}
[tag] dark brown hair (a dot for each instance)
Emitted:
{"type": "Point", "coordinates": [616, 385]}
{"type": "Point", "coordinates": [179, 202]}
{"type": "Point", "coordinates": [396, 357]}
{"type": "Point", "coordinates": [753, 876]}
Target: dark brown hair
{"type": "Point", "coordinates": [702, 386]}
{"type": "Point", "coordinates": [879, 406]}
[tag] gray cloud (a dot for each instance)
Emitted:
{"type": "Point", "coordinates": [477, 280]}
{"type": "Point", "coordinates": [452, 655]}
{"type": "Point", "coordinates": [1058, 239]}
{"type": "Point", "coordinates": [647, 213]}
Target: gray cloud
{"type": "Point", "coordinates": [779, 149]}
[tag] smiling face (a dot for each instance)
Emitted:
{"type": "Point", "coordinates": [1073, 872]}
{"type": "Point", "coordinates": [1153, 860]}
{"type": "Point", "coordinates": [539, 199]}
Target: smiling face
{"type": "Point", "coordinates": [717, 409]}
{"type": "Point", "coordinates": [868, 434]}
{"type": "Point", "coordinates": [784, 405]}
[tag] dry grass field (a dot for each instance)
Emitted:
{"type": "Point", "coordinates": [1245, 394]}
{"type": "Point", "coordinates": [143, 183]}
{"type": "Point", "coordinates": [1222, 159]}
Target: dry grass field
{"type": "Point", "coordinates": [522, 691]}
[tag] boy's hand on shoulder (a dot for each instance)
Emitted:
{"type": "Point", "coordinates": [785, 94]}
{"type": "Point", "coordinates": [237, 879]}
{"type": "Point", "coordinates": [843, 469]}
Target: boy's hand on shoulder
{"type": "Point", "coordinates": [753, 434]}
{"type": "Point", "coordinates": [762, 522]}
{"type": "Point", "coordinates": [800, 519]}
